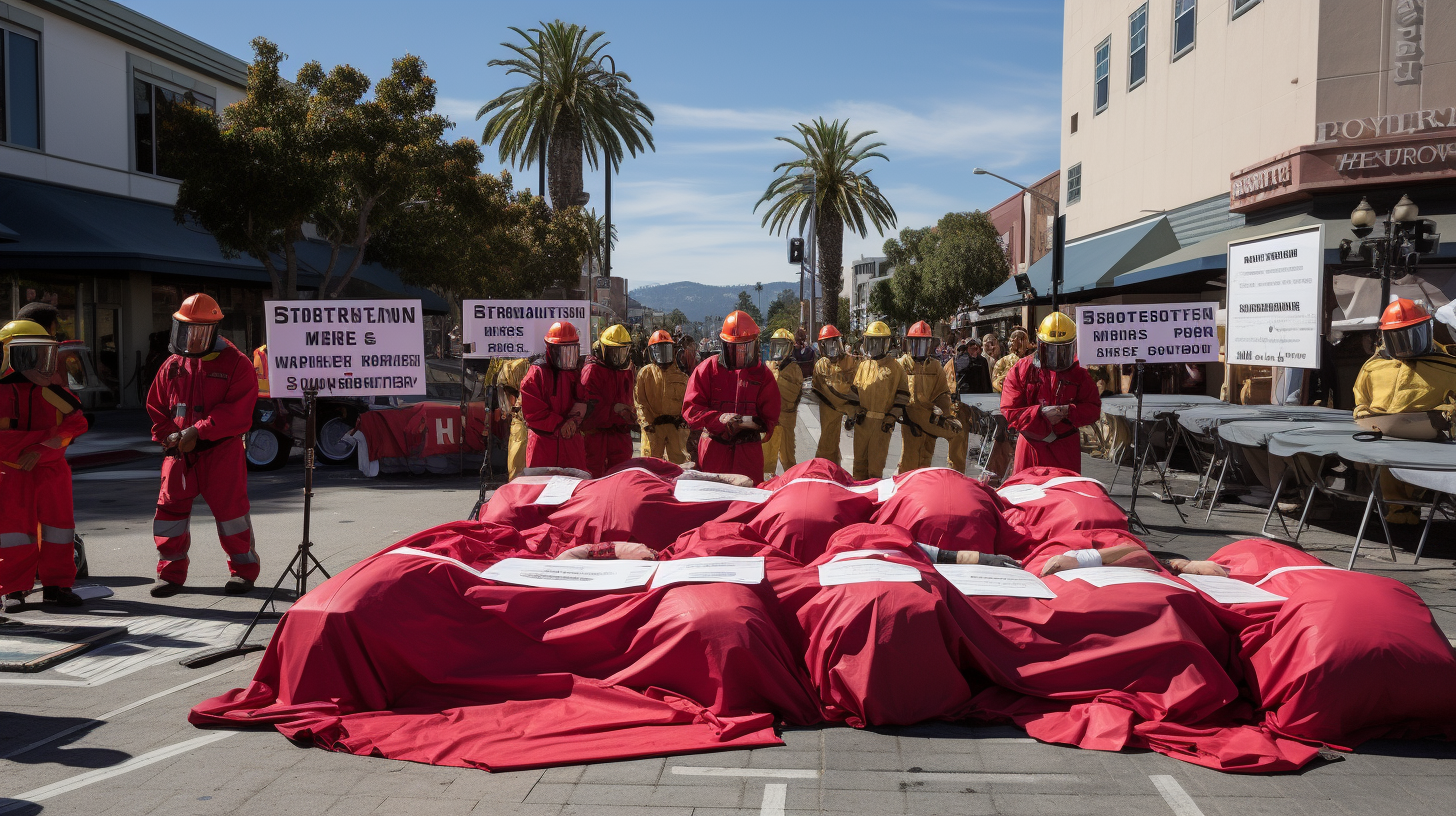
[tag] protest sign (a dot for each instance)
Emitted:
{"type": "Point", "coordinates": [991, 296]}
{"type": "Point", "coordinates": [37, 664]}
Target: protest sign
{"type": "Point", "coordinates": [1152, 332]}
{"type": "Point", "coordinates": [1276, 299]}
{"type": "Point", "coordinates": [517, 328]}
{"type": "Point", "coordinates": [345, 348]}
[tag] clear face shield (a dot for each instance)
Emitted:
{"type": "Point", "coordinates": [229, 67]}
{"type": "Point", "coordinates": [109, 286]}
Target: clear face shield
{"type": "Point", "coordinates": [661, 353]}
{"type": "Point", "coordinates": [192, 339]}
{"type": "Point", "coordinates": [617, 356]}
{"type": "Point", "coordinates": [876, 347]}
{"type": "Point", "coordinates": [919, 347]}
{"type": "Point", "coordinates": [740, 355]}
{"type": "Point", "coordinates": [564, 357]}
{"type": "Point", "coordinates": [833, 347]}
{"type": "Point", "coordinates": [779, 347]}
{"type": "Point", "coordinates": [1408, 341]}
{"type": "Point", "coordinates": [1056, 356]}
{"type": "Point", "coordinates": [34, 357]}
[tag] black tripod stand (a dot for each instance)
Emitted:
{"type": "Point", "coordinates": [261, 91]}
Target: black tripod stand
{"type": "Point", "coordinates": [303, 564]}
{"type": "Point", "coordinates": [1140, 459]}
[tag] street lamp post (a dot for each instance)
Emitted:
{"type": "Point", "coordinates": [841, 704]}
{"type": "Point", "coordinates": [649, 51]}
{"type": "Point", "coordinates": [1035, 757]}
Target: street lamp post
{"type": "Point", "coordinates": [1059, 231]}
{"type": "Point", "coordinates": [810, 186]}
{"type": "Point", "coordinates": [1405, 235]}
{"type": "Point", "coordinates": [613, 86]}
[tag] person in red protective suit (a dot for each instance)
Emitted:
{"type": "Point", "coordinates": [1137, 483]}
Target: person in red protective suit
{"type": "Point", "coordinates": [201, 404]}
{"type": "Point", "coordinates": [552, 403]}
{"type": "Point", "coordinates": [1047, 397]}
{"type": "Point", "coordinates": [734, 399]}
{"type": "Point", "coordinates": [607, 384]}
{"type": "Point", "coordinates": [37, 420]}
{"type": "Point", "coordinates": [954, 513]}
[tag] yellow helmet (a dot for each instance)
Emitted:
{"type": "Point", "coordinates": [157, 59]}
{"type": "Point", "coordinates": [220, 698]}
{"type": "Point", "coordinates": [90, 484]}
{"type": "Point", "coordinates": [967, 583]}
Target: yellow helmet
{"type": "Point", "coordinates": [1057, 328]}
{"type": "Point", "coordinates": [616, 335]}
{"type": "Point", "coordinates": [782, 334]}
{"type": "Point", "coordinates": [29, 349]}
{"type": "Point", "coordinates": [877, 329]}
{"type": "Point", "coordinates": [22, 328]}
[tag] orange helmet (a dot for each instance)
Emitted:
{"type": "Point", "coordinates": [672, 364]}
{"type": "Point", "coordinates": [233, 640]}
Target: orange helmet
{"type": "Point", "coordinates": [659, 336]}
{"type": "Point", "coordinates": [1401, 313]}
{"type": "Point", "coordinates": [562, 334]}
{"type": "Point", "coordinates": [199, 308]}
{"type": "Point", "coordinates": [738, 327]}
{"type": "Point", "coordinates": [828, 331]}
{"type": "Point", "coordinates": [920, 329]}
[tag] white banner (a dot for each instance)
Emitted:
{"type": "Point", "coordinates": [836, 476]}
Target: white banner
{"type": "Point", "coordinates": [1154, 332]}
{"type": "Point", "coordinates": [517, 328]}
{"type": "Point", "coordinates": [345, 348]}
{"type": "Point", "coordinates": [1276, 299]}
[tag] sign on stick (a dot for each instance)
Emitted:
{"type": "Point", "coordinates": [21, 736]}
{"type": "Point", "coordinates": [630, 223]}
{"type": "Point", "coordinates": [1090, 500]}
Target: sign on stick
{"type": "Point", "coordinates": [1276, 299]}
{"type": "Point", "coordinates": [517, 328]}
{"type": "Point", "coordinates": [345, 348]}
{"type": "Point", "coordinates": [1153, 332]}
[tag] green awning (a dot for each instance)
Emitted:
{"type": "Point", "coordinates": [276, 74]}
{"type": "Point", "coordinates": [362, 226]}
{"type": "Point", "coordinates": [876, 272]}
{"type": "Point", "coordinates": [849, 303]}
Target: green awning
{"type": "Point", "coordinates": [1094, 262]}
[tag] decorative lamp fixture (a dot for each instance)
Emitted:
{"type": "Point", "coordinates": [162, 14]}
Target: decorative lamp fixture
{"type": "Point", "coordinates": [1405, 210]}
{"type": "Point", "coordinates": [1363, 216]}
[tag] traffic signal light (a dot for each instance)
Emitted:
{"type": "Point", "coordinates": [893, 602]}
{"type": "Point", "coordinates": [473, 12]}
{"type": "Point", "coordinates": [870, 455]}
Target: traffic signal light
{"type": "Point", "coordinates": [796, 250]}
{"type": "Point", "coordinates": [1424, 238]}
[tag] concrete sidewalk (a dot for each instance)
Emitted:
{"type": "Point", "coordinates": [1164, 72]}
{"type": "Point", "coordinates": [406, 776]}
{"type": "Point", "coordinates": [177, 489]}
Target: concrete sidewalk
{"type": "Point", "coordinates": [115, 436]}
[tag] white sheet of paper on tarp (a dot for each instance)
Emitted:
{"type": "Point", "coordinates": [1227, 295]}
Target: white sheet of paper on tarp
{"type": "Point", "coordinates": [558, 489]}
{"type": "Point", "coordinates": [979, 579]}
{"type": "Point", "coordinates": [1299, 568]}
{"type": "Point", "coordinates": [699, 490]}
{"type": "Point", "coordinates": [715, 569]}
{"type": "Point", "coordinates": [571, 574]}
{"type": "Point", "coordinates": [862, 554]}
{"type": "Point", "coordinates": [1108, 576]}
{"type": "Point", "coordinates": [1231, 590]}
{"type": "Point", "coordinates": [1022, 493]}
{"type": "Point", "coordinates": [864, 571]}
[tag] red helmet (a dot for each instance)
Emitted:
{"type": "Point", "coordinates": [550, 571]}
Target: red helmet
{"type": "Point", "coordinates": [828, 331]}
{"type": "Point", "coordinates": [562, 334]}
{"type": "Point", "coordinates": [920, 329]}
{"type": "Point", "coordinates": [659, 336]}
{"type": "Point", "coordinates": [199, 308]}
{"type": "Point", "coordinates": [738, 327]}
{"type": "Point", "coordinates": [1401, 313]}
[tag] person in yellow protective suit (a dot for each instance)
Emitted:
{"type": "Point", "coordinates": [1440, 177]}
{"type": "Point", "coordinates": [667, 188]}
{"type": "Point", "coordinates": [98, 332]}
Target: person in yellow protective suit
{"type": "Point", "coordinates": [260, 366]}
{"type": "Point", "coordinates": [1020, 347]}
{"type": "Point", "coordinates": [1406, 389]}
{"type": "Point", "coordinates": [833, 373]}
{"type": "Point", "coordinates": [658, 395]}
{"type": "Point", "coordinates": [778, 448]}
{"type": "Point", "coordinates": [880, 391]}
{"type": "Point", "coordinates": [508, 379]}
{"type": "Point", "coordinates": [929, 414]}
{"type": "Point", "coordinates": [961, 442]}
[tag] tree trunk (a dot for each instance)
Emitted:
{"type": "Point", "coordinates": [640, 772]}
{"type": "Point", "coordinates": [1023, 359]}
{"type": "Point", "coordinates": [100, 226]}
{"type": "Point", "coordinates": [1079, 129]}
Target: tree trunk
{"type": "Point", "coordinates": [829, 237]}
{"type": "Point", "coordinates": [564, 163]}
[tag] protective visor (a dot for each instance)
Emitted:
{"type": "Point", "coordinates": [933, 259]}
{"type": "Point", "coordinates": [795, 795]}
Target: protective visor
{"type": "Point", "coordinates": [919, 347]}
{"type": "Point", "coordinates": [617, 356]}
{"type": "Point", "coordinates": [1056, 356]}
{"type": "Point", "coordinates": [192, 339]}
{"type": "Point", "coordinates": [660, 353]}
{"type": "Point", "coordinates": [32, 354]}
{"type": "Point", "coordinates": [1408, 341]}
{"type": "Point", "coordinates": [563, 357]}
{"type": "Point", "coordinates": [778, 348]}
{"type": "Point", "coordinates": [876, 347]}
{"type": "Point", "coordinates": [688, 356]}
{"type": "Point", "coordinates": [832, 347]}
{"type": "Point", "coordinates": [740, 355]}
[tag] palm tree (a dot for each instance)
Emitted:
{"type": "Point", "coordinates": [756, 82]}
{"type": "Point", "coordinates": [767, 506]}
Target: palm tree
{"type": "Point", "coordinates": [597, 227]}
{"type": "Point", "coordinates": [842, 196]}
{"type": "Point", "coordinates": [570, 105]}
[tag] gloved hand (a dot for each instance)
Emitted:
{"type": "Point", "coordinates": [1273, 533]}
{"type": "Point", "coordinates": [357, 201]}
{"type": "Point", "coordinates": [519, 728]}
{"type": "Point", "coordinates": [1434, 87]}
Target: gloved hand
{"type": "Point", "coordinates": [998, 561]}
{"type": "Point", "coordinates": [567, 429]}
{"type": "Point", "coordinates": [953, 425]}
{"type": "Point", "coordinates": [625, 412]}
{"type": "Point", "coordinates": [187, 440]}
{"type": "Point", "coordinates": [28, 460]}
{"type": "Point", "coordinates": [849, 423]}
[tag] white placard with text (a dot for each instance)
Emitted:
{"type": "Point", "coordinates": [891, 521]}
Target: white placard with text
{"type": "Point", "coordinates": [714, 569]}
{"type": "Point", "coordinates": [1276, 299]}
{"type": "Point", "coordinates": [517, 328]}
{"type": "Point", "coordinates": [1154, 332]}
{"type": "Point", "coordinates": [345, 348]}
{"type": "Point", "coordinates": [866, 570]}
{"type": "Point", "coordinates": [979, 579]}
{"type": "Point", "coordinates": [571, 574]}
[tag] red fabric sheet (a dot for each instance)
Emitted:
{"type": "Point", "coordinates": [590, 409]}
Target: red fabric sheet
{"type": "Point", "coordinates": [800, 517]}
{"type": "Point", "coordinates": [949, 510]}
{"type": "Point", "coordinates": [422, 429]}
{"type": "Point", "coordinates": [1066, 507]}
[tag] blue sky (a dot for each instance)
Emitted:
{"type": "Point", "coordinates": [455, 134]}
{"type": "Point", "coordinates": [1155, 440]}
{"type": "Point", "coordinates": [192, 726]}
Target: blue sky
{"type": "Point", "coordinates": [948, 85]}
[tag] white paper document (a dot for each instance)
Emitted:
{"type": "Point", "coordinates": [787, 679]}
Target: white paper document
{"type": "Point", "coordinates": [716, 569]}
{"type": "Point", "coordinates": [979, 579]}
{"type": "Point", "coordinates": [864, 571]}
{"type": "Point", "coordinates": [1107, 576]}
{"type": "Point", "coordinates": [698, 490]}
{"type": "Point", "coordinates": [571, 574]}
{"type": "Point", "coordinates": [844, 556]}
{"type": "Point", "coordinates": [1300, 568]}
{"type": "Point", "coordinates": [558, 489]}
{"type": "Point", "coordinates": [1022, 493]}
{"type": "Point", "coordinates": [1231, 590]}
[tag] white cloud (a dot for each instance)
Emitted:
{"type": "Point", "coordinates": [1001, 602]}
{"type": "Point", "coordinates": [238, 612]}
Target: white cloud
{"type": "Point", "coordinates": [460, 111]}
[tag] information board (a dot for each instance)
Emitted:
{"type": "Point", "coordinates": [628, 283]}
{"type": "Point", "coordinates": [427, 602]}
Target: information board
{"type": "Point", "coordinates": [517, 328]}
{"type": "Point", "coordinates": [1276, 299]}
{"type": "Point", "coordinates": [345, 348]}
{"type": "Point", "coordinates": [1154, 332]}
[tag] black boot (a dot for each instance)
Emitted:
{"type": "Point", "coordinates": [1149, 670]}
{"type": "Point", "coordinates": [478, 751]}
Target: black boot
{"type": "Point", "coordinates": [14, 601]}
{"type": "Point", "coordinates": [61, 596]}
{"type": "Point", "coordinates": [237, 585]}
{"type": "Point", "coordinates": [165, 589]}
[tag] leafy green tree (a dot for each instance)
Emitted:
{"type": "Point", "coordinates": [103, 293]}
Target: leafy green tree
{"type": "Point", "coordinates": [843, 321]}
{"type": "Point", "coordinates": [783, 312]}
{"type": "Point", "coordinates": [745, 304]}
{"type": "Point", "coordinates": [570, 103]}
{"type": "Point", "coordinates": [940, 269]}
{"type": "Point", "coordinates": [842, 196]}
{"type": "Point", "coordinates": [596, 256]}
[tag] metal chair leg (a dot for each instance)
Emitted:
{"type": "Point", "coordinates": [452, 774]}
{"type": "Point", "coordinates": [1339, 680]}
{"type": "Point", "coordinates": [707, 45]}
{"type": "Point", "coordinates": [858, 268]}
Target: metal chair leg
{"type": "Point", "coordinates": [1383, 509]}
{"type": "Point", "coordinates": [1308, 501]}
{"type": "Point", "coordinates": [1274, 503]}
{"type": "Point", "coordinates": [1360, 534]}
{"type": "Point", "coordinates": [1435, 508]}
{"type": "Point", "coordinates": [1217, 488]}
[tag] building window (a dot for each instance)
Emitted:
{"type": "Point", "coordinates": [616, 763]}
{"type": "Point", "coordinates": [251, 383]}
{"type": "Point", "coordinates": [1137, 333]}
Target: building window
{"type": "Point", "coordinates": [1238, 7]}
{"type": "Point", "coordinates": [1102, 86]}
{"type": "Point", "coordinates": [1185, 26]}
{"type": "Point", "coordinates": [1074, 123]}
{"type": "Point", "coordinates": [154, 116]}
{"type": "Point", "coordinates": [19, 89]}
{"type": "Point", "coordinates": [1074, 183]}
{"type": "Point", "coordinates": [1137, 47]}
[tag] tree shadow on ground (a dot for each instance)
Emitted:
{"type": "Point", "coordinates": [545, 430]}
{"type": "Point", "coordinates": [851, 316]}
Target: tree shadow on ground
{"type": "Point", "coordinates": [23, 729]}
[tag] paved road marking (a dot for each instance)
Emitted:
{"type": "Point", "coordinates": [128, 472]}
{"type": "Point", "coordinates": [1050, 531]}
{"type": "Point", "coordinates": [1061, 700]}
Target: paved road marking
{"type": "Point", "coordinates": [996, 778]}
{"type": "Point", "coordinates": [1177, 798]}
{"type": "Point", "coordinates": [90, 777]}
{"type": "Point", "coordinates": [128, 707]}
{"type": "Point", "coordinates": [757, 773]}
{"type": "Point", "coordinates": [774, 798]}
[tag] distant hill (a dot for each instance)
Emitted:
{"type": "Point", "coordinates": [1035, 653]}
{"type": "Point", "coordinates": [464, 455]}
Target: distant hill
{"type": "Point", "coordinates": [699, 300]}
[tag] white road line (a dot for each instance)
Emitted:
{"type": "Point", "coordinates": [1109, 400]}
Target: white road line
{"type": "Point", "coordinates": [90, 777]}
{"type": "Point", "coordinates": [1177, 798]}
{"type": "Point", "coordinates": [1004, 740]}
{"type": "Point", "coordinates": [128, 707]}
{"type": "Point", "coordinates": [774, 798]}
{"type": "Point", "coordinates": [753, 773]}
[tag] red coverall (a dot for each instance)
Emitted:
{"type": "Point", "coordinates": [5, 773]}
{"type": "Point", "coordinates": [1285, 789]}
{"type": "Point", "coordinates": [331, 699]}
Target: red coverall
{"type": "Point", "coordinates": [713, 390]}
{"type": "Point", "coordinates": [1029, 387]}
{"type": "Point", "coordinates": [547, 397]}
{"type": "Point", "coordinates": [608, 435]}
{"type": "Point", "coordinates": [30, 415]}
{"type": "Point", "coordinates": [219, 391]}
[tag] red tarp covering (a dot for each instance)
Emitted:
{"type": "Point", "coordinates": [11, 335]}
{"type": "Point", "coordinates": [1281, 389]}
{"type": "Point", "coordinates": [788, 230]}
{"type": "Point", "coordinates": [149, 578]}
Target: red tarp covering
{"type": "Point", "coordinates": [1066, 507]}
{"type": "Point", "coordinates": [422, 429]}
